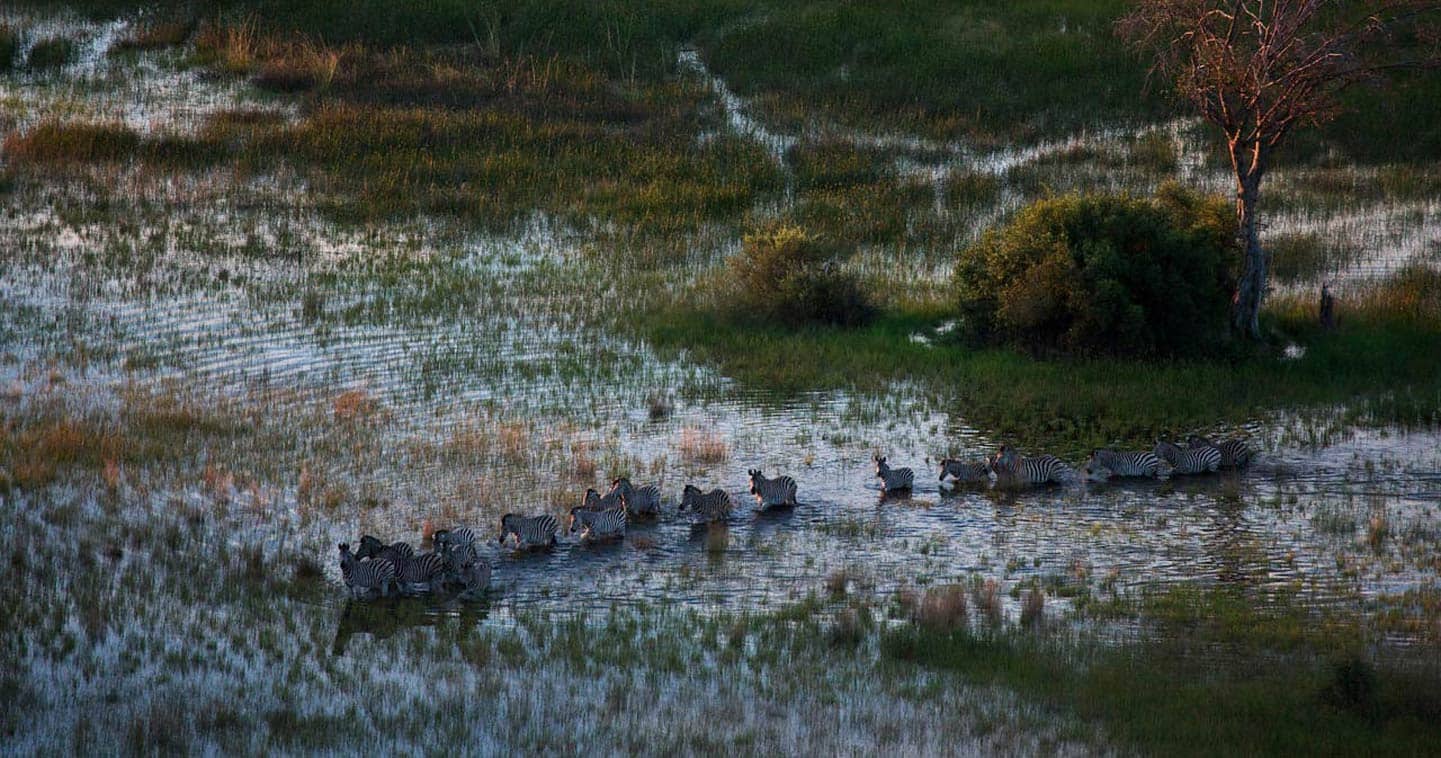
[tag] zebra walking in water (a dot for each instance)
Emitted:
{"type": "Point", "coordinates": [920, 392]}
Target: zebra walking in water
{"type": "Point", "coordinates": [1104, 464]}
{"type": "Point", "coordinates": [598, 526]}
{"type": "Point", "coordinates": [639, 502]}
{"type": "Point", "coordinates": [712, 506]}
{"type": "Point", "coordinates": [421, 573]}
{"type": "Point", "coordinates": [396, 552]}
{"type": "Point", "coordinates": [530, 532]}
{"type": "Point", "coordinates": [446, 540]}
{"type": "Point", "coordinates": [893, 479]}
{"type": "Point", "coordinates": [1014, 471]}
{"type": "Point", "coordinates": [1197, 460]}
{"type": "Point", "coordinates": [778, 491]}
{"type": "Point", "coordinates": [594, 501]}
{"type": "Point", "coordinates": [368, 578]}
{"type": "Point", "coordinates": [969, 472]}
{"type": "Point", "coordinates": [1235, 453]}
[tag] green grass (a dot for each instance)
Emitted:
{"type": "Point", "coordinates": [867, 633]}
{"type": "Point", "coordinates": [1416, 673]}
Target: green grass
{"type": "Point", "coordinates": [1219, 677]}
{"type": "Point", "coordinates": [1081, 403]}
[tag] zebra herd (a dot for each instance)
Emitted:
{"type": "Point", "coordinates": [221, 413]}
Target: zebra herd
{"type": "Point", "coordinates": [380, 569]}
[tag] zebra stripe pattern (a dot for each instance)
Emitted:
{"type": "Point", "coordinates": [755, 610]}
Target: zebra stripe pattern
{"type": "Point", "coordinates": [449, 539]}
{"type": "Point", "coordinates": [712, 506]}
{"type": "Point", "coordinates": [420, 573]}
{"type": "Point", "coordinates": [893, 478]}
{"type": "Point", "coordinates": [1190, 460]}
{"type": "Point", "coordinates": [1235, 453]}
{"type": "Point", "coordinates": [472, 577]}
{"type": "Point", "coordinates": [638, 501]}
{"type": "Point", "coordinates": [594, 501]}
{"type": "Point", "coordinates": [964, 471]}
{"type": "Point", "coordinates": [530, 532]}
{"type": "Point", "coordinates": [1014, 471]}
{"type": "Point", "coordinates": [778, 491]}
{"type": "Point", "coordinates": [396, 552]}
{"type": "Point", "coordinates": [596, 526]}
{"type": "Point", "coordinates": [365, 578]}
{"type": "Point", "coordinates": [1104, 464]}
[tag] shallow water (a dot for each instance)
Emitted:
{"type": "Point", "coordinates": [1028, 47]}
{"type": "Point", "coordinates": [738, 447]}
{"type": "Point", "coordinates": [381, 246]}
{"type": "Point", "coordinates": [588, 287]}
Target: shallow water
{"type": "Point", "coordinates": [456, 323]}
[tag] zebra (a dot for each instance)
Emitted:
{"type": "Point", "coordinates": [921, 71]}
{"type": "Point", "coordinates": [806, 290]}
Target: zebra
{"type": "Point", "coordinates": [456, 556]}
{"type": "Point", "coordinates": [1197, 460]}
{"type": "Point", "coordinates": [892, 479]}
{"type": "Point", "coordinates": [598, 526]}
{"type": "Point", "coordinates": [712, 506]}
{"type": "Point", "coordinates": [530, 532]}
{"type": "Point", "coordinates": [1235, 453]}
{"type": "Point", "coordinates": [446, 540]}
{"type": "Point", "coordinates": [964, 471]}
{"type": "Point", "coordinates": [421, 573]}
{"type": "Point", "coordinates": [472, 577]}
{"type": "Point", "coordinates": [778, 491]}
{"type": "Point", "coordinates": [1014, 471]}
{"type": "Point", "coordinates": [1104, 464]}
{"type": "Point", "coordinates": [594, 501]}
{"type": "Point", "coordinates": [396, 552]}
{"type": "Point", "coordinates": [365, 578]}
{"type": "Point", "coordinates": [639, 502]}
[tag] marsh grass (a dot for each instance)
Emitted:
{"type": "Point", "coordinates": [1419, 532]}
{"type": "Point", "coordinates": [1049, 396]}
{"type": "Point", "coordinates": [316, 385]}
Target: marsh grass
{"type": "Point", "coordinates": [1234, 679]}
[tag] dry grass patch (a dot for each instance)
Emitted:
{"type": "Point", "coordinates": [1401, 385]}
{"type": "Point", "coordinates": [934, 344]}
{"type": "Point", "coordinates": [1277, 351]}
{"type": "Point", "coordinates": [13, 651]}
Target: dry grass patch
{"type": "Point", "coordinates": [701, 446]}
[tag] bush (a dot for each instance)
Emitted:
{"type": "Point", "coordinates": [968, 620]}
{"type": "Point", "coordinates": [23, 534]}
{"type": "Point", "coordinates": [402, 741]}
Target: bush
{"type": "Point", "coordinates": [1103, 274]}
{"type": "Point", "coordinates": [52, 53]}
{"type": "Point", "coordinates": [785, 275]}
{"type": "Point", "coordinates": [9, 45]}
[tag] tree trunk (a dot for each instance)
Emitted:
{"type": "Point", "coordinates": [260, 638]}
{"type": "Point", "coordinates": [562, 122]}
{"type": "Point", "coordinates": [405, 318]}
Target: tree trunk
{"type": "Point", "coordinates": [1249, 164]}
{"type": "Point", "coordinates": [1251, 288]}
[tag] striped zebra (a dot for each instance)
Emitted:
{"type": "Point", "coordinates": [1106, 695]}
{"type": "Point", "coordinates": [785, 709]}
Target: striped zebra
{"type": "Point", "coordinates": [594, 501]}
{"type": "Point", "coordinates": [457, 556]}
{"type": "Point", "coordinates": [530, 532]}
{"type": "Point", "coordinates": [1104, 464]}
{"type": "Point", "coordinates": [1235, 453]}
{"type": "Point", "coordinates": [970, 472]}
{"type": "Point", "coordinates": [472, 577]}
{"type": "Point", "coordinates": [598, 526]}
{"type": "Point", "coordinates": [446, 540]}
{"type": "Point", "coordinates": [639, 502]}
{"type": "Point", "coordinates": [893, 479]}
{"type": "Point", "coordinates": [1198, 460]}
{"type": "Point", "coordinates": [396, 552]}
{"type": "Point", "coordinates": [778, 491]}
{"type": "Point", "coordinates": [712, 506]}
{"type": "Point", "coordinates": [1014, 471]}
{"type": "Point", "coordinates": [422, 573]}
{"type": "Point", "coordinates": [365, 578]}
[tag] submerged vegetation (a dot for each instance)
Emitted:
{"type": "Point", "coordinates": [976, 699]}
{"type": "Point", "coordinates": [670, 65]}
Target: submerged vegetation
{"type": "Point", "coordinates": [282, 273]}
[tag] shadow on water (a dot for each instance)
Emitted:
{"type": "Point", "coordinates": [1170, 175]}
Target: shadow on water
{"type": "Point", "coordinates": [381, 619]}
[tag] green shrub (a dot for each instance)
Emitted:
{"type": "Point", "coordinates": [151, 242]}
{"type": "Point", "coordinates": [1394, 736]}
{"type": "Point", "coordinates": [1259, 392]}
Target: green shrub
{"type": "Point", "coordinates": [1103, 274]}
{"type": "Point", "coordinates": [787, 276]}
{"type": "Point", "coordinates": [52, 53]}
{"type": "Point", "coordinates": [9, 45]}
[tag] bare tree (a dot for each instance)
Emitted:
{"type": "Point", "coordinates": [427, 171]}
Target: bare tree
{"type": "Point", "coordinates": [1260, 69]}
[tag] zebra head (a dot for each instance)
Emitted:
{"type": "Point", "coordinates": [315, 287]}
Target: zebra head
{"type": "Point", "coordinates": [1199, 440]}
{"type": "Point", "coordinates": [440, 538]}
{"type": "Point", "coordinates": [369, 547]}
{"type": "Point", "coordinates": [1166, 451]}
{"type": "Point", "coordinates": [946, 464]}
{"type": "Point", "coordinates": [881, 466]}
{"type": "Point", "coordinates": [1095, 471]}
{"type": "Point", "coordinates": [688, 496]}
{"type": "Point", "coordinates": [506, 527]}
{"type": "Point", "coordinates": [620, 483]}
{"type": "Point", "coordinates": [753, 473]}
{"type": "Point", "coordinates": [575, 520]}
{"type": "Point", "coordinates": [591, 499]}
